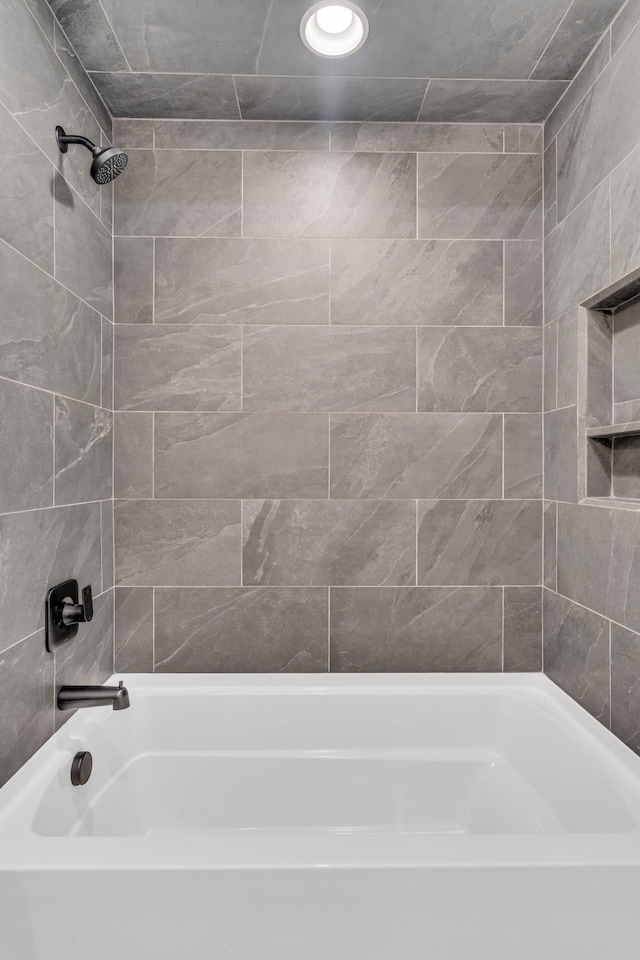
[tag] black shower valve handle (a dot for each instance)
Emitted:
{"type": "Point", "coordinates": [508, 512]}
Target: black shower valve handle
{"type": "Point", "coordinates": [78, 612]}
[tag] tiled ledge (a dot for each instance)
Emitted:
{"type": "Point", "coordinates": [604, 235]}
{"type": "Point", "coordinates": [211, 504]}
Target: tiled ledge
{"type": "Point", "coordinates": [613, 503]}
{"type": "Point", "coordinates": [629, 429]}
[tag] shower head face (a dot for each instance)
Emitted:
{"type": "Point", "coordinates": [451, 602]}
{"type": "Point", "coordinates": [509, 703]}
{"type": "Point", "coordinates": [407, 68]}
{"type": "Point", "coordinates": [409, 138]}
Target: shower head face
{"type": "Point", "coordinates": [108, 164]}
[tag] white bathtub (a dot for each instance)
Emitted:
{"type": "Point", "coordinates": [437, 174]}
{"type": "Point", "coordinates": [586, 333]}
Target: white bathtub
{"type": "Point", "coordinates": [326, 818]}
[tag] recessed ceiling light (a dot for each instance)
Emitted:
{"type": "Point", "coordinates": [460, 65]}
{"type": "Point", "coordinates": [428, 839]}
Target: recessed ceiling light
{"type": "Point", "coordinates": [334, 29]}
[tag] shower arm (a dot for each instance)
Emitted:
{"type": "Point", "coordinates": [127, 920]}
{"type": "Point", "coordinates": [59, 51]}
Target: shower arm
{"type": "Point", "coordinates": [64, 139]}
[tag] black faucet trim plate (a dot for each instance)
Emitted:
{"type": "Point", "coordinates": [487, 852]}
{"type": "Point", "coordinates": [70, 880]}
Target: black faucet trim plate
{"type": "Point", "coordinates": [64, 612]}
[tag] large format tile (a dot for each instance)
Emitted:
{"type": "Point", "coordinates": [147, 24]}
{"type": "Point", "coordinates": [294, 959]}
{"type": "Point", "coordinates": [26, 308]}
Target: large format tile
{"type": "Point", "coordinates": [397, 456]}
{"type": "Point", "coordinates": [26, 703]}
{"type": "Point", "coordinates": [192, 193]}
{"type": "Point", "coordinates": [418, 137]}
{"type": "Point", "coordinates": [406, 629]}
{"type": "Point", "coordinates": [576, 653]}
{"type": "Point", "coordinates": [26, 203]}
{"type": "Point", "coordinates": [177, 367]}
{"type": "Point", "coordinates": [177, 542]}
{"type": "Point", "coordinates": [186, 95]}
{"type": "Point", "coordinates": [241, 455]}
{"type": "Point", "coordinates": [242, 281]}
{"type": "Point", "coordinates": [490, 101]}
{"type": "Point", "coordinates": [624, 24]}
{"type": "Point", "coordinates": [480, 196]}
{"type": "Point", "coordinates": [26, 441]}
{"type": "Point", "coordinates": [576, 255]}
{"type": "Point", "coordinates": [625, 210]}
{"type": "Point", "coordinates": [463, 369]}
{"type": "Point", "coordinates": [72, 64]}
{"type": "Point", "coordinates": [133, 280]}
{"type": "Point", "coordinates": [603, 129]}
{"type": "Point", "coordinates": [522, 629]}
{"type": "Point", "coordinates": [325, 542]}
{"type": "Point", "coordinates": [579, 31]}
{"type": "Point", "coordinates": [329, 194]}
{"type": "Point", "coordinates": [522, 455]}
{"type": "Point", "coordinates": [38, 549]}
{"type": "Point", "coordinates": [523, 298]}
{"type": "Point", "coordinates": [625, 686]}
{"type": "Point", "coordinates": [239, 135]}
{"type": "Point", "coordinates": [626, 346]}
{"type": "Point", "coordinates": [84, 452]}
{"type": "Point", "coordinates": [561, 454]}
{"type": "Point", "coordinates": [479, 542]}
{"type": "Point", "coordinates": [83, 250]}
{"type": "Point", "coordinates": [440, 282]}
{"type": "Point", "coordinates": [588, 74]}
{"type": "Point", "coordinates": [241, 630]}
{"type": "Point", "coordinates": [381, 99]}
{"type": "Point", "coordinates": [329, 368]}
{"type": "Point", "coordinates": [89, 30]}
{"type": "Point", "coordinates": [133, 630]}
{"type": "Point", "coordinates": [132, 455]}
{"type": "Point", "coordinates": [48, 337]}
{"type": "Point", "coordinates": [599, 560]}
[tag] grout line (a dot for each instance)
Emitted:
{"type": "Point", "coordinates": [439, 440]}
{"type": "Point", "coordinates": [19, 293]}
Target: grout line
{"type": "Point", "coordinates": [551, 39]}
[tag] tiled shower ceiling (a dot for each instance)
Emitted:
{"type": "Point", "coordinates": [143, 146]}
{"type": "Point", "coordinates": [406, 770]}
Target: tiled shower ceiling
{"type": "Point", "coordinates": [429, 60]}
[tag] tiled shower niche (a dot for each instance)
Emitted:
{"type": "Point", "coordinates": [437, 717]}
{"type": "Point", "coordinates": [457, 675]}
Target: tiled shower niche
{"type": "Point", "coordinates": [609, 395]}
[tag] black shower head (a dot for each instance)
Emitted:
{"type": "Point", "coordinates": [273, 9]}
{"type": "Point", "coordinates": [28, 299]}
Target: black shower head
{"type": "Point", "coordinates": [108, 162]}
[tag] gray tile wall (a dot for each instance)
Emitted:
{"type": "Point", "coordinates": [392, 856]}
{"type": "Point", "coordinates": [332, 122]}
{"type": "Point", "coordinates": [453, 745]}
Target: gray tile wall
{"type": "Point", "coordinates": [592, 578]}
{"type": "Point", "coordinates": [328, 396]}
{"type": "Point", "coordinates": [55, 375]}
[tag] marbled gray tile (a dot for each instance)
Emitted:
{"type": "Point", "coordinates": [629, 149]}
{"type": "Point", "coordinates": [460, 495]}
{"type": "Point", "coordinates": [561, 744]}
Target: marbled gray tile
{"type": "Point", "coordinates": [576, 653]}
{"type": "Point", "coordinates": [579, 31]}
{"type": "Point", "coordinates": [329, 368]}
{"type": "Point", "coordinates": [624, 24]}
{"type": "Point", "coordinates": [418, 137]}
{"type": "Point", "coordinates": [550, 393]}
{"type": "Point", "coordinates": [182, 96]}
{"type": "Point", "coordinates": [84, 451]}
{"type": "Point", "coordinates": [132, 455]}
{"type": "Point", "coordinates": [242, 281]}
{"type": "Point", "coordinates": [625, 686]}
{"type": "Point", "coordinates": [523, 300]}
{"type": "Point", "coordinates": [380, 99]}
{"type": "Point", "coordinates": [240, 135]}
{"type": "Point", "coordinates": [379, 456]}
{"type": "Point", "coordinates": [325, 542]}
{"type": "Point", "coordinates": [466, 369]}
{"type": "Point", "coordinates": [439, 282]}
{"type": "Point", "coordinates": [173, 367]}
{"type": "Point", "coordinates": [106, 533]}
{"type": "Point", "coordinates": [576, 255]}
{"type": "Point", "coordinates": [329, 194]}
{"type": "Point", "coordinates": [597, 469]}
{"type": "Point", "coordinates": [75, 69]}
{"type": "Point", "coordinates": [477, 195]}
{"type": "Point", "coordinates": [91, 660]}
{"type": "Point", "coordinates": [595, 376]}
{"type": "Point", "coordinates": [26, 203]}
{"type": "Point", "coordinates": [479, 542]}
{"type": "Point", "coordinates": [193, 193]}
{"type": "Point", "coordinates": [625, 210]}
{"type": "Point", "coordinates": [589, 72]}
{"type": "Point", "coordinates": [626, 412]}
{"type": "Point", "coordinates": [561, 454]}
{"type": "Point", "coordinates": [133, 630]}
{"type": "Point", "coordinates": [106, 393]}
{"type": "Point", "coordinates": [133, 279]}
{"type": "Point", "coordinates": [177, 542]}
{"type": "Point", "coordinates": [522, 455]}
{"type": "Point", "coordinates": [44, 17]}
{"type": "Point", "coordinates": [407, 629]}
{"type": "Point", "coordinates": [550, 544]}
{"type": "Point", "coordinates": [522, 629]}
{"type": "Point", "coordinates": [490, 101]}
{"type": "Point", "coordinates": [131, 134]}
{"type": "Point", "coordinates": [83, 250]}
{"type": "Point", "coordinates": [626, 344]}
{"type": "Point", "coordinates": [86, 25]}
{"type": "Point", "coordinates": [625, 468]}
{"type": "Point", "coordinates": [550, 189]}
{"type": "Point", "coordinates": [241, 630]}
{"type": "Point", "coordinates": [44, 96]}
{"type": "Point", "coordinates": [568, 359]}
{"type": "Point", "coordinates": [241, 455]}
{"type": "Point", "coordinates": [26, 441]}
{"type": "Point", "coordinates": [26, 702]}
{"type": "Point", "coordinates": [523, 138]}
{"type": "Point", "coordinates": [603, 129]}
{"type": "Point", "coordinates": [38, 549]}
{"type": "Point", "coordinates": [599, 560]}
